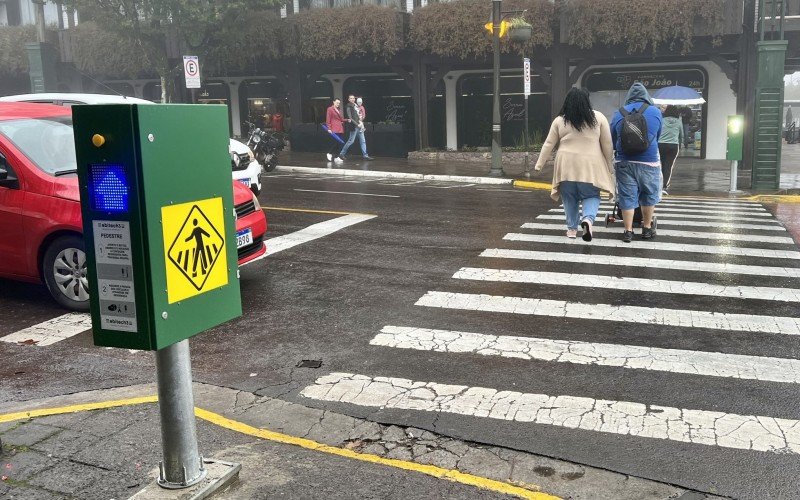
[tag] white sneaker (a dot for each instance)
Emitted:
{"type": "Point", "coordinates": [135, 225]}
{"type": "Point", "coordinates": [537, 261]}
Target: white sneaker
{"type": "Point", "coordinates": [338, 160]}
{"type": "Point", "coordinates": [330, 157]}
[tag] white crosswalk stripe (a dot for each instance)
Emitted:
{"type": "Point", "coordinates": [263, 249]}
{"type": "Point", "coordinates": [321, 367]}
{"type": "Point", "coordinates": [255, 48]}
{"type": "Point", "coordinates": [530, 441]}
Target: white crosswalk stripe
{"type": "Point", "coordinates": [606, 312]}
{"type": "Point", "coordinates": [680, 210]}
{"type": "Point", "coordinates": [738, 208]}
{"type": "Point", "coordinates": [712, 364]}
{"type": "Point", "coordinates": [612, 260]}
{"type": "Point", "coordinates": [726, 229]}
{"type": "Point", "coordinates": [679, 234]}
{"type": "Point", "coordinates": [51, 331]}
{"type": "Point", "coordinates": [633, 284]}
{"type": "Point", "coordinates": [658, 245]}
{"type": "Point", "coordinates": [714, 428]}
{"type": "Point", "coordinates": [673, 200]}
{"type": "Point", "coordinates": [764, 225]}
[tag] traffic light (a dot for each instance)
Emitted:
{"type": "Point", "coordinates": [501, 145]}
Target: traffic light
{"type": "Point", "coordinates": [735, 137]}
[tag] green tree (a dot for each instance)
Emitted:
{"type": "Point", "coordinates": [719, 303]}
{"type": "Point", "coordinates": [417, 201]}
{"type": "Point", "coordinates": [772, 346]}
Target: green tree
{"type": "Point", "coordinates": [150, 25]}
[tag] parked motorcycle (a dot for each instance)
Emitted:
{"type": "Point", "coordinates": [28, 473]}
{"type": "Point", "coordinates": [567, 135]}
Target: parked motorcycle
{"type": "Point", "coordinates": [265, 146]}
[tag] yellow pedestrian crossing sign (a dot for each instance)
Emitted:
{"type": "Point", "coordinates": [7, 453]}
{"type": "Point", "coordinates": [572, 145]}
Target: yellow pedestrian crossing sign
{"type": "Point", "coordinates": [194, 243]}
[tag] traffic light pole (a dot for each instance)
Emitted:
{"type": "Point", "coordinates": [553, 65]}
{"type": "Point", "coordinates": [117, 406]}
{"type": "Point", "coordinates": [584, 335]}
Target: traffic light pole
{"type": "Point", "coordinates": [497, 152]}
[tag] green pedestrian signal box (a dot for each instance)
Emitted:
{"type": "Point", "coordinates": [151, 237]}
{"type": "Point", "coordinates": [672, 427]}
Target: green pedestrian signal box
{"type": "Point", "coordinates": [735, 137]}
{"type": "Point", "coordinates": [158, 221]}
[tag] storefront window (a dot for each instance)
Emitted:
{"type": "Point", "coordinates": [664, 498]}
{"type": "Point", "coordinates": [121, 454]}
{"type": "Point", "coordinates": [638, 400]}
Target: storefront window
{"type": "Point", "coordinates": [608, 88]}
{"type": "Point", "coordinates": [387, 99]}
{"type": "Point", "coordinates": [264, 104]}
{"type": "Point", "coordinates": [475, 99]}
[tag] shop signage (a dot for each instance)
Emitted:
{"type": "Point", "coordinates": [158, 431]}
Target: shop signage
{"type": "Point", "coordinates": [609, 79]}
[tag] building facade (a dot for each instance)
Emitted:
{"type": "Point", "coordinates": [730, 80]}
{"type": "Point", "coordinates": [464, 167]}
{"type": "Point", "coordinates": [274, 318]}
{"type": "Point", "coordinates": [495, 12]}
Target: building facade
{"type": "Point", "coordinates": [444, 101]}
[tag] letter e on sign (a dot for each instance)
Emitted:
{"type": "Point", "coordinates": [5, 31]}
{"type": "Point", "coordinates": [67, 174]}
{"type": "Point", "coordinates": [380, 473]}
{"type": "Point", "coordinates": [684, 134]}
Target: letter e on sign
{"type": "Point", "coordinates": [191, 71]}
{"type": "Point", "coordinates": [194, 248]}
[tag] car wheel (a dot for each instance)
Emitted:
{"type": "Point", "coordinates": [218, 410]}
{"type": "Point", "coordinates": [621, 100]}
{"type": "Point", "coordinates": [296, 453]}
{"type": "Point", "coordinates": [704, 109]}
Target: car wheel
{"type": "Point", "coordinates": [64, 270]}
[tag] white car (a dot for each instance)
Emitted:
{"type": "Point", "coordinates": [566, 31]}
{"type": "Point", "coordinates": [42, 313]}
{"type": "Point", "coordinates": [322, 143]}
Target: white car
{"type": "Point", "coordinates": [243, 163]}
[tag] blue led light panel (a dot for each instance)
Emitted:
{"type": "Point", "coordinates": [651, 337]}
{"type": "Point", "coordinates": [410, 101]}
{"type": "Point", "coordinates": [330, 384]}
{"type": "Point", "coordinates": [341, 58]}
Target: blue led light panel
{"type": "Point", "coordinates": [108, 188]}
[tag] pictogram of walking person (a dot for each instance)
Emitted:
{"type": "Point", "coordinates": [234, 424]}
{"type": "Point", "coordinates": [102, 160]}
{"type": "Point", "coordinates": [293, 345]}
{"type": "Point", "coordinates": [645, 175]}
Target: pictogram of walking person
{"type": "Point", "coordinates": [200, 250]}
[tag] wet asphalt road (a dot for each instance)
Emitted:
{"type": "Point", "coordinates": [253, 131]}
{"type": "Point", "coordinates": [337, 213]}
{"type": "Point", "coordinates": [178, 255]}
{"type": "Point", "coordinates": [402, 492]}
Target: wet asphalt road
{"type": "Point", "coordinates": [326, 299]}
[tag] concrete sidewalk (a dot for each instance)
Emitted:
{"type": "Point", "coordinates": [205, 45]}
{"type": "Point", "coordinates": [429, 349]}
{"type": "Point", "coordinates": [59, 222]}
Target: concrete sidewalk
{"type": "Point", "coordinates": [106, 444]}
{"type": "Point", "coordinates": [691, 176]}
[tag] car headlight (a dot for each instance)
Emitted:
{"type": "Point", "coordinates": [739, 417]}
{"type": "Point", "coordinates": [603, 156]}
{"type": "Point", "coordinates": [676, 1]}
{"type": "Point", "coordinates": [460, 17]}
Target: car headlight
{"type": "Point", "coordinates": [255, 202]}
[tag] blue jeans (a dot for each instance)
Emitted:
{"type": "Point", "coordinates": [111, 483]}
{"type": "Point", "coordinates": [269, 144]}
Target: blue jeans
{"type": "Point", "coordinates": [357, 132]}
{"type": "Point", "coordinates": [638, 185]}
{"type": "Point", "coordinates": [573, 193]}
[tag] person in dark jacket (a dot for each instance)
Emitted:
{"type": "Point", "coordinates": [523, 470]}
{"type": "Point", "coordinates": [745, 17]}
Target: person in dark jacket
{"type": "Point", "coordinates": [639, 178]}
{"type": "Point", "coordinates": [356, 128]}
{"type": "Point", "coordinates": [669, 144]}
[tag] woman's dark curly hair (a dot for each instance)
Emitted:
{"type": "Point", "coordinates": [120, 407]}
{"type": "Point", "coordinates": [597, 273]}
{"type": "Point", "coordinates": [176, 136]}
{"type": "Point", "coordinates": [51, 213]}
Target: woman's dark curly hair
{"type": "Point", "coordinates": [577, 109]}
{"type": "Point", "coordinates": [672, 111]}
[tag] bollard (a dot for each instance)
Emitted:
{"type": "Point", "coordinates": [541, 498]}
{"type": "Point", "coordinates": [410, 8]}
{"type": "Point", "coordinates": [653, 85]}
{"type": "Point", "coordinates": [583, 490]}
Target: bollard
{"type": "Point", "coordinates": [734, 174]}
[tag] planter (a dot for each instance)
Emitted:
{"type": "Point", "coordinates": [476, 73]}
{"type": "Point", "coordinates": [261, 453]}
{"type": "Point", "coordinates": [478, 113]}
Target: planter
{"type": "Point", "coordinates": [389, 127]}
{"type": "Point", "coordinates": [485, 157]}
{"type": "Point", "coordinates": [520, 34]}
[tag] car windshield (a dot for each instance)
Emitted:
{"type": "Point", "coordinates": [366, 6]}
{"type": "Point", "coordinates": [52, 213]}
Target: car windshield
{"type": "Point", "coordinates": [47, 142]}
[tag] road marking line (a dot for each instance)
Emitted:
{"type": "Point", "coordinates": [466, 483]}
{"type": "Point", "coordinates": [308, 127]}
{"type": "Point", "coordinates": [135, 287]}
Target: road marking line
{"type": "Point", "coordinates": [720, 219]}
{"type": "Point", "coordinates": [633, 284]}
{"type": "Point", "coordinates": [771, 225]}
{"type": "Point", "coordinates": [312, 232]}
{"type": "Point", "coordinates": [430, 470]}
{"type": "Point", "coordinates": [346, 192]}
{"type": "Point", "coordinates": [607, 312]}
{"type": "Point", "coordinates": [53, 330]}
{"type": "Point", "coordinates": [713, 428]}
{"type": "Point", "coordinates": [705, 202]}
{"type": "Point", "coordinates": [222, 421]}
{"type": "Point", "coordinates": [611, 260]}
{"type": "Point", "coordinates": [679, 234]}
{"type": "Point", "coordinates": [282, 209]}
{"type": "Point", "coordinates": [44, 412]}
{"type": "Point", "coordinates": [723, 208]}
{"type": "Point", "coordinates": [710, 364]}
{"type": "Point", "coordinates": [661, 246]}
{"type": "Point", "coordinates": [722, 214]}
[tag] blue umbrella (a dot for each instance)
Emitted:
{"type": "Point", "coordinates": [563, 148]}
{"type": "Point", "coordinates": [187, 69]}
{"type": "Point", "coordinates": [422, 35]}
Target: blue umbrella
{"type": "Point", "coordinates": [677, 94]}
{"type": "Point", "coordinates": [338, 139]}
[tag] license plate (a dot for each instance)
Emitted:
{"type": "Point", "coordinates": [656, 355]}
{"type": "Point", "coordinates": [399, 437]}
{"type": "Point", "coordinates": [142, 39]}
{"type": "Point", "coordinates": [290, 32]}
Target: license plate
{"type": "Point", "coordinates": [246, 182]}
{"type": "Point", "coordinates": [244, 238]}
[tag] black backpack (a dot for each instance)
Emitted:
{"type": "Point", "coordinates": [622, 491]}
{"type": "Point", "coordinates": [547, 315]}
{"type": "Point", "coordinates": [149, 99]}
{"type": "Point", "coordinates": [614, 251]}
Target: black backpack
{"type": "Point", "coordinates": [633, 135]}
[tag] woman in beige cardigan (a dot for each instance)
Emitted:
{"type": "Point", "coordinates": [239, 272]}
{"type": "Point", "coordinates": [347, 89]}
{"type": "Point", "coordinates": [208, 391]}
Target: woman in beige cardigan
{"type": "Point", "coordinates": [583, 165]}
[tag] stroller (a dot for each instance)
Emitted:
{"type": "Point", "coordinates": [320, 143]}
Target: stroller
{"type": "Point", "coordinates": [616, 214]}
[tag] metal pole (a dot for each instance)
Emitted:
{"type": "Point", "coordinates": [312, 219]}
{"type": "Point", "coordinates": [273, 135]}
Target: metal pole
{"type": "Point", "coordinates": [734, 174]}
{"type": "Point", "coordinates": [40, 28]}
{"type": "Point", "coordinates": [182, 465]}
{"type": "Point", "coordinates": [497, 152]}
{"type": "Point", "coordinates": [527, 152]}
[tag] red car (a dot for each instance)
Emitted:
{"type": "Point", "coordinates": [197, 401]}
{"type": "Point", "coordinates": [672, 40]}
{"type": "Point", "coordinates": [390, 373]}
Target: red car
{"type": "Point", "coordinates": [40, 214]}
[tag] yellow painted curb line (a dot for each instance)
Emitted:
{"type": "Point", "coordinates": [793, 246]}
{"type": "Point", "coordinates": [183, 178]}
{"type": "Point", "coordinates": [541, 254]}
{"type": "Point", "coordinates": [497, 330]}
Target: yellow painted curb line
{"type": "Point", "coordinates": [777, 198]}
{"type": "Point", "coordinates": [532, 185]}
{"type": "Point", "coordinates": [282, 209]}
{"type": "Point", "coordinates": [44, 412]}
{"type": "Point", "coordinates": [431, 470]}
{"type": "Point", "coordinates": [219, 420]}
